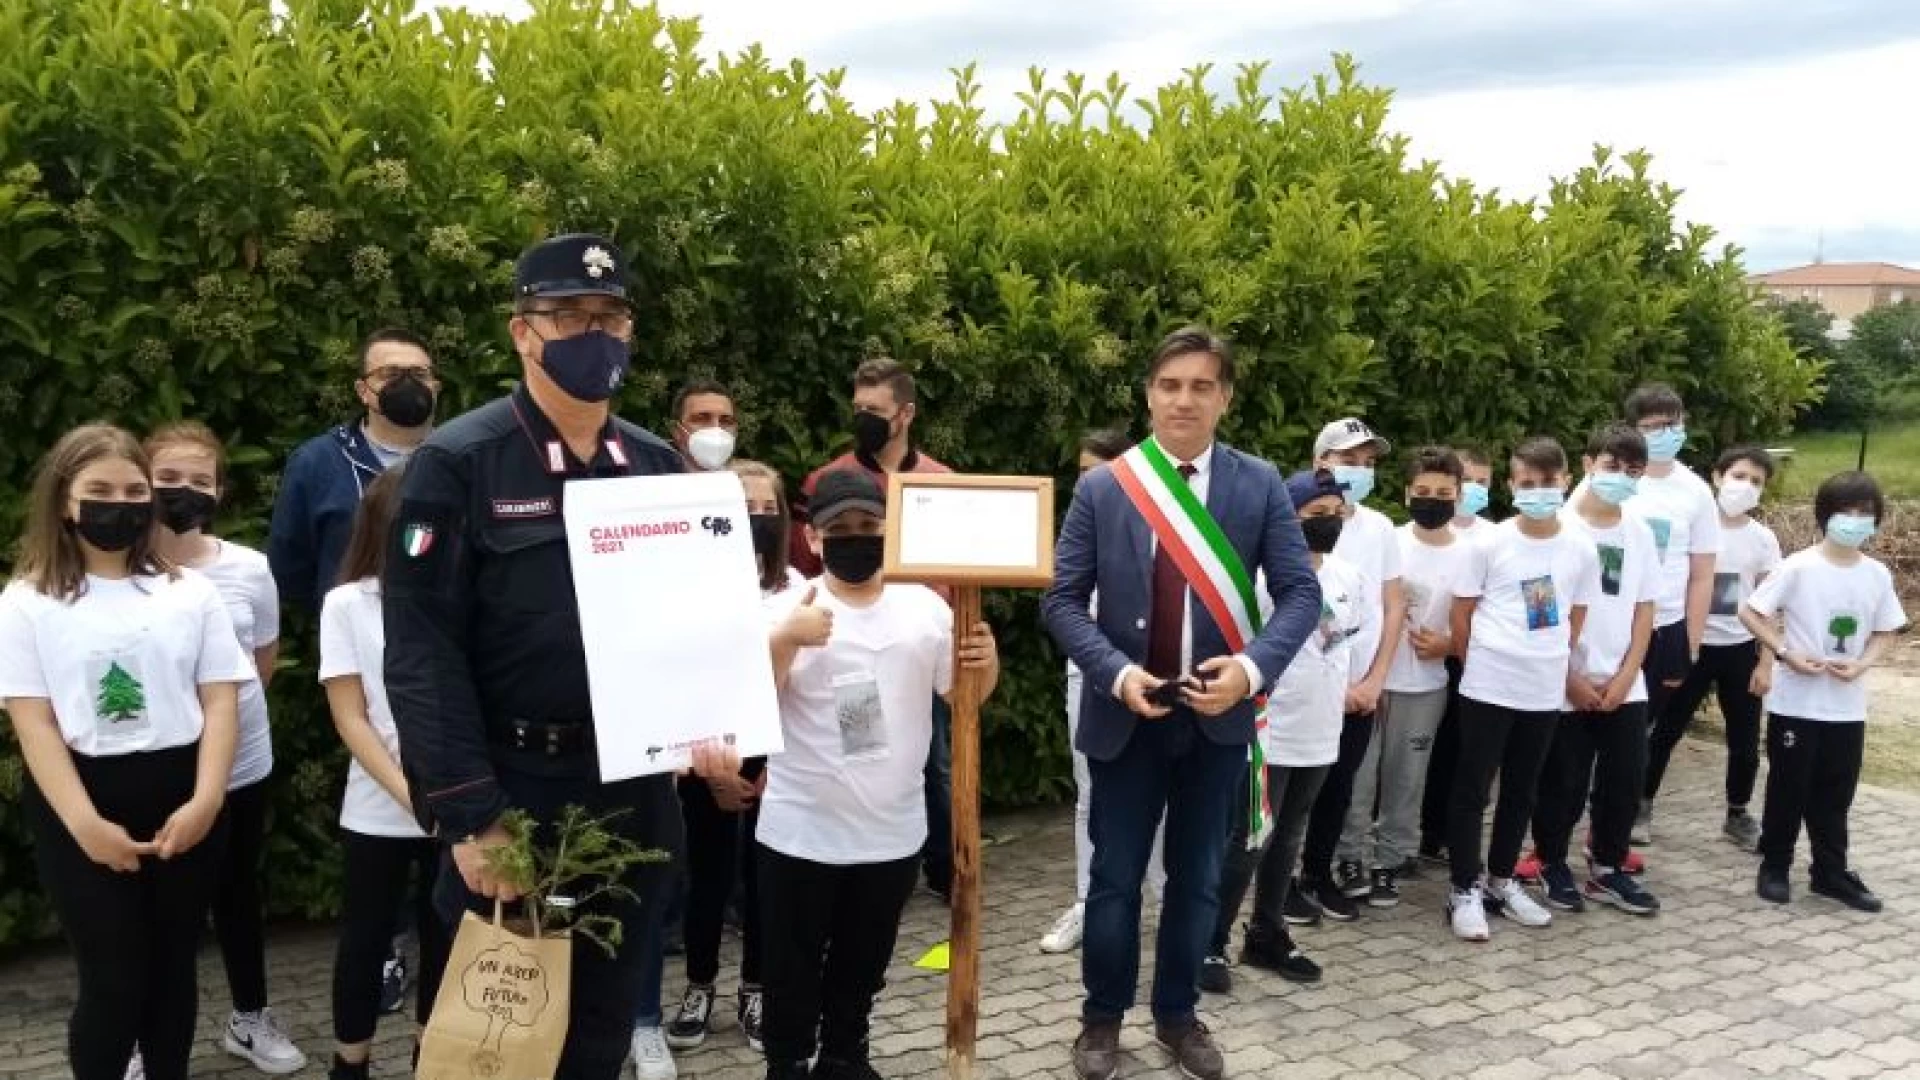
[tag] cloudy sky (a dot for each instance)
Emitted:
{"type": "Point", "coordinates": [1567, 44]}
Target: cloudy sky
{"type": "Point", "coordinates": [1787, 122]}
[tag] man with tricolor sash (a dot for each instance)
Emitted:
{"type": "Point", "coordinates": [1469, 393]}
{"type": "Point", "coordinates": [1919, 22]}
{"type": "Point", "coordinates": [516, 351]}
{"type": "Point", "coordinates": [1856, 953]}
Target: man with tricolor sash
{"type": "Point", "coordinates": [1172, 536]}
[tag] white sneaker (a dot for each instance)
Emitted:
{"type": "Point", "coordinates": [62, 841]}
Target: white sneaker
{"type": "Point", "coordinates": [136, 1068]}
{"type": "Point", "coordinates": [258, 1038]}
{"type": "Point", "coordinates": [1517, 904]}
{"type": "Point", "coordinates": [1065, 935]}
{"type": "Point", "coordinates": [651, 1058]}
{"type": "Point", "coordinates": [1468, 914]}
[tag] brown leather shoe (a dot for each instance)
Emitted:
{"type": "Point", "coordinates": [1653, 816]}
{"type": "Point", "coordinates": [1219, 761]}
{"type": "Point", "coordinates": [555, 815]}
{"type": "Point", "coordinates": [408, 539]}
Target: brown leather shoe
{"type": "Point", "coordinates": [1096, 1053]}
{"type": "Point", "coordinates": [1193, 1050]}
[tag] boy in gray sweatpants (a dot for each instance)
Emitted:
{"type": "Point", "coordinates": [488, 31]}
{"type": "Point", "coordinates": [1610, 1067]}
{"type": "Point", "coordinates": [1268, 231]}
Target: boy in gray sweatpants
{"type": "Point", "coordinates": [1383, 822]}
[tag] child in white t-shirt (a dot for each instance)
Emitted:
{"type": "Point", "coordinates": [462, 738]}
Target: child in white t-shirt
{"type": "Point", "coordinates": [382, 840]}
{"type": "Point", "coordinates": [1393, 775]}
{"type": "Point", "coordinates": [857, 662]}
{"type": "Point", "coordinates": [1840, 613]}
{"type": "Point", "coordinates": [1599, 745]}
{"type": "Point", "coordinates": [1517, 613]}
{"type": "Point", "coordinates": [1301, 742]}
{"type": "Point", "coordinates": [1730, 663]}
{"type": "Point", "coordinates": [119, 673]}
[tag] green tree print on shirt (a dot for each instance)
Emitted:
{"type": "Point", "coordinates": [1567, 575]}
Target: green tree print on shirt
{"type": "Point", "coordinates": [1842, 627]}
{"type": "Point", "coordinates": [122, 698]}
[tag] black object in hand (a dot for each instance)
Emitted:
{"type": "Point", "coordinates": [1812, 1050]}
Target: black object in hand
{"type": "Point", "coordinates": [1171, 693]}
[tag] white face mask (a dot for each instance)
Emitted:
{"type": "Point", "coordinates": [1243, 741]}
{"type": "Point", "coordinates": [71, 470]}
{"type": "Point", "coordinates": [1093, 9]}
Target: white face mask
{"type": "Point", "coordinates": [1737, 497]}
{"type": "Point", "coordinates": [711, 448]}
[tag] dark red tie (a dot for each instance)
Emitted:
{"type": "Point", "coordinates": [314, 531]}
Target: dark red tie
{"type": "Point", "coordinates": [1165, 622]}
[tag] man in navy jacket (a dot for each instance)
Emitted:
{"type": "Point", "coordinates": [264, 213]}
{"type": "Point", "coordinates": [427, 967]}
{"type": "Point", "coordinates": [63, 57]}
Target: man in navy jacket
{"type": "Point", "coordinates": [1145, 752]}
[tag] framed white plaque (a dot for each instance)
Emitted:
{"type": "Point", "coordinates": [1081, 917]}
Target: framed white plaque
{"type": "Point", "coordinates": [961, 529]}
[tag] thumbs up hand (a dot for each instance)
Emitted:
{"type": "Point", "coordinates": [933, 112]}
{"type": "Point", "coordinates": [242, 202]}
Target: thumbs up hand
{"type": "Point", "coordinates": [808, 625]}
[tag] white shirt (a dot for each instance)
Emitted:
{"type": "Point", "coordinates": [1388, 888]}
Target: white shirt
{"type": "Point", "coordinates": [1368, 545]}
{"type": "Point", "coordinates": [1830, 611]}
{"type": "Point", "coordinates": [122, 665]}
{"type": "Point", "coordinates": [1519, 646]}
{"type": "Point", "coordinates": [1474, 527]}
{"type": "Point", "coordinates": [1307, 705]}
{"type": "Point", "coordinates": [353, 641]}
{"type": "Point", "coordinates": [841, 793]}
{"type": "Point", "coordinates": [1748, 552]}
{"type": "Point", "coordinates": [1680, 509]}
{"type": "Point", "coordinates": [1428, 575]}
{"type": "Point", "coordinates": [253, 603]}
{"type": "Point", "coordinates": [1629, 577]}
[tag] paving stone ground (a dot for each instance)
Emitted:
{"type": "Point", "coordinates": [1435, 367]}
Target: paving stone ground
{"type": "Point", "coordinates": [1719, 985]}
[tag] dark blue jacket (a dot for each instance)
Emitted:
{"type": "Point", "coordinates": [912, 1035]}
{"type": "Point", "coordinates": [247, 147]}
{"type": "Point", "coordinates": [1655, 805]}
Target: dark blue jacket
{"type": "Point", "coordinates": [320, 490]}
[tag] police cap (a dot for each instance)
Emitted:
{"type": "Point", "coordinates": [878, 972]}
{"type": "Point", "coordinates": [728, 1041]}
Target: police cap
{"type": "Point", "coordinates": [577, 264]}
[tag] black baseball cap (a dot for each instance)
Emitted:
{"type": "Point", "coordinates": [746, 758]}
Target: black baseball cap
{"type": "Point", "coordinates": [843, 490]}
{"type": "Point", "coordinates": [577, 264]}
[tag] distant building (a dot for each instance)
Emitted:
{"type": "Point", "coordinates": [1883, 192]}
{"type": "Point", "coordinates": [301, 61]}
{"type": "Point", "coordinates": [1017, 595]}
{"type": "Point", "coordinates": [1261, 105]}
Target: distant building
{"type": "Point", "coordinates": [1845, 290]}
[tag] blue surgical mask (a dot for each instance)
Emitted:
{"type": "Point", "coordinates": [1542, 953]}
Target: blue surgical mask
{"type": "Point", "coordinates": [1851, 530]}
{"type": "Point", "coordinates": [1473, 499]}
{"type": "Point", "coordinates": [1613, 488]}
{"type": "Point", "coordinates": [1356, 482]}
{"type": "Point", "coordinates": [1664, 445]}
{"type": "Point", "coordinates": [588, 367]}
{"type": "Point", "coordinates": [1539, 503]}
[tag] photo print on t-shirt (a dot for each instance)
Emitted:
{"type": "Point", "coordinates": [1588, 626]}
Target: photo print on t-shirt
{"type": "Point", "coordinates": [1726, 595]}
{"type": "Point", "coordinates": [1543, 603]}
{"type": "Point", "coordinates": [1662, 533]}
{"type": "Point", "coordinates": [1613, 563]}
{"type": "Point", "coordinates": [1844, 632]}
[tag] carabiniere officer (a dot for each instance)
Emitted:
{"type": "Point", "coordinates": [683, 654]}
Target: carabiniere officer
{"type": "Point", "coordinates": [485, 667]}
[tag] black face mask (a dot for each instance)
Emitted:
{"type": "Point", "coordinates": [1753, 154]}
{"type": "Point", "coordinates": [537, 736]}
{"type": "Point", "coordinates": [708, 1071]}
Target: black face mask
{"type": "Point", "coordinates": [853, 559]}
{"type": "Point", "coordinates": [406, 401]}
{"type": "Point", "coordinates": [766, 534]}
{"type": "Point", "coordinates": [183, 509]}
{"type": "Point", "coordinates": [1322, 532]}
{"type": "Point", "coordinates": [871, 433]}
{"type": "Point", "coordinates": [113, 526]}
{"type": "Point", "coordinates": [1431, 513]}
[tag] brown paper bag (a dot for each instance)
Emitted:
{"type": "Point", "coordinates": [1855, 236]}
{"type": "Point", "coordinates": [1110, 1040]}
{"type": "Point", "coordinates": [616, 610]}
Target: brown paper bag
{"type": "Point", "coordinates": [501, 1013]}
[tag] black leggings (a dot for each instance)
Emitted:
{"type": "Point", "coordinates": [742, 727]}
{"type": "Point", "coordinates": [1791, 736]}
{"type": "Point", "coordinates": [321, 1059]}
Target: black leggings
{"type": "Point", "coordinates": [1813, 770]}
{"type": "Point", "coordinates": [714, 862]}
{"type": "Point", "coordinates": [238, 906]}
{"type": "Point", "coordinates": [133, 936]}
{"type": "Point", "coordinates": [1512, 744]}
{"type": "Point", "coordinates": [1604, 753]}
{"type": "Point", "coordinates": [381, 873]}
{"type": "Point", "coordinates": [1329, 814]}
{"type": "Point", "coordinates": [1727, 670]}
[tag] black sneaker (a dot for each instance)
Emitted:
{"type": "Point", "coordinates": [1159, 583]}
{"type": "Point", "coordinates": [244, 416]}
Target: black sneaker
{"type": "Point", "coordinates": [345, 1070]}
{"type": "Point", "coordinates": [828, 1068]}
{"type": "Point", "coordinates": [751, 1011]}
{"type": "Point", "coordinates": [689, 1026]}
{"type": "Point", "coordinates": [1352, 880]}
{"type": "Point", "coordinates": [1301, 909]}
{"type": "Point", "coordinates": [1273, 950]}
{"type": "Point", "coordinates": [1562, 893]}
{"type": "Point", "coordinates": [1215, 976]}
{"type": "Point", "coordinates": [1742, 829]}
{"type": "Point", "coordinates": [1385, 890]}
{"type": "Point", "coordinates": [1847, 888]}
{"type": "Point", "coordinates": [1771, 886]}
{"type": "Point", "coordinates": [393, 983]}
{"type": "Point", "coordinates": [1334, 902]}
{"type": "Point", "coordinates": [1623, 891]}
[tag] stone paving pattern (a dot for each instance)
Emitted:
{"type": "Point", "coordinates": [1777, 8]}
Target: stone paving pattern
{"type": "Point", "coordinates": [1720, 985]}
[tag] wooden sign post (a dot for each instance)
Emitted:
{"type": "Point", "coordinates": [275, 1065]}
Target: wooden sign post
{"type": "Point", "coordinates": [968, 533]}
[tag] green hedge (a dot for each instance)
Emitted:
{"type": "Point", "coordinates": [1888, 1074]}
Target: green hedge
{"type": "Point", "coordinates": [204, 204]}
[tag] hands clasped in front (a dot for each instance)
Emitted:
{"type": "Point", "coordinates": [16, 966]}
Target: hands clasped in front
{"type": "Point", "coordinates": [1214, 687]}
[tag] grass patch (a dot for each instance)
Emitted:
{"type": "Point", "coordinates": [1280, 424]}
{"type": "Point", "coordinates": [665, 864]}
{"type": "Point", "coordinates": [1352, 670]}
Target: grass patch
{"type": "Point", "coordinates": [1891, 758]}
{"type": "Point", "coordinates": [1893, 457]}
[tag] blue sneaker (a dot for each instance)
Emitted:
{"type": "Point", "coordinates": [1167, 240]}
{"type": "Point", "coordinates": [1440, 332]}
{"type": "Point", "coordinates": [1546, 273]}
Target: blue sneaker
{"type": "Point", "coordinates": [1622, 891]}
{"type": "Point", "coordinates": [1563, 894]}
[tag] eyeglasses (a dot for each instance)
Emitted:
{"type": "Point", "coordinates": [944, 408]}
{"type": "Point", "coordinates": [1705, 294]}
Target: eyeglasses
{"type": "Point", "coordinates": [393, 372]}
{"type": "Point", "coordinates": [572, 322]}
{"type": "Point", "coordinates": [1657, 427]}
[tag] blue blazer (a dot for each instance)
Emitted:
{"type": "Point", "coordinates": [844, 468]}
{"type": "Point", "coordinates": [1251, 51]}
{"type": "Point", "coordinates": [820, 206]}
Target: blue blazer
{"type": "Point", "coordinates": [1105, 544]}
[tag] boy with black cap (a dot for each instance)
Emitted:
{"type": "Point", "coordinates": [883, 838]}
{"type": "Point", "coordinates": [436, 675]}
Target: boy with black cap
{"type": "Point", "coordinates": [857, 663]}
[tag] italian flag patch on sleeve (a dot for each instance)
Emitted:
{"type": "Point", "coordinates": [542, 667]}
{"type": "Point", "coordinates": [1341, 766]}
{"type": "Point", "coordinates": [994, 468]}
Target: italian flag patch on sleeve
{"type": "Point", "coordinates": [417, 541]}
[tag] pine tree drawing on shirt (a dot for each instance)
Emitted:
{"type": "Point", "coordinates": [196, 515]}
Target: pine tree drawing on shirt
{"type": "Point", "coordinates": [1842, 627]}
{"type": "Point", "coordinates": [122, 698]}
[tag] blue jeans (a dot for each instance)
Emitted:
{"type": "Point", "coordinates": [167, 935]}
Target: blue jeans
{"type": "Point", "coordinates": [937, 854]}
{"type": "Point", "coordinates": [1166, 764]}
{"type": "Point", "coordinates": [653, 949]}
